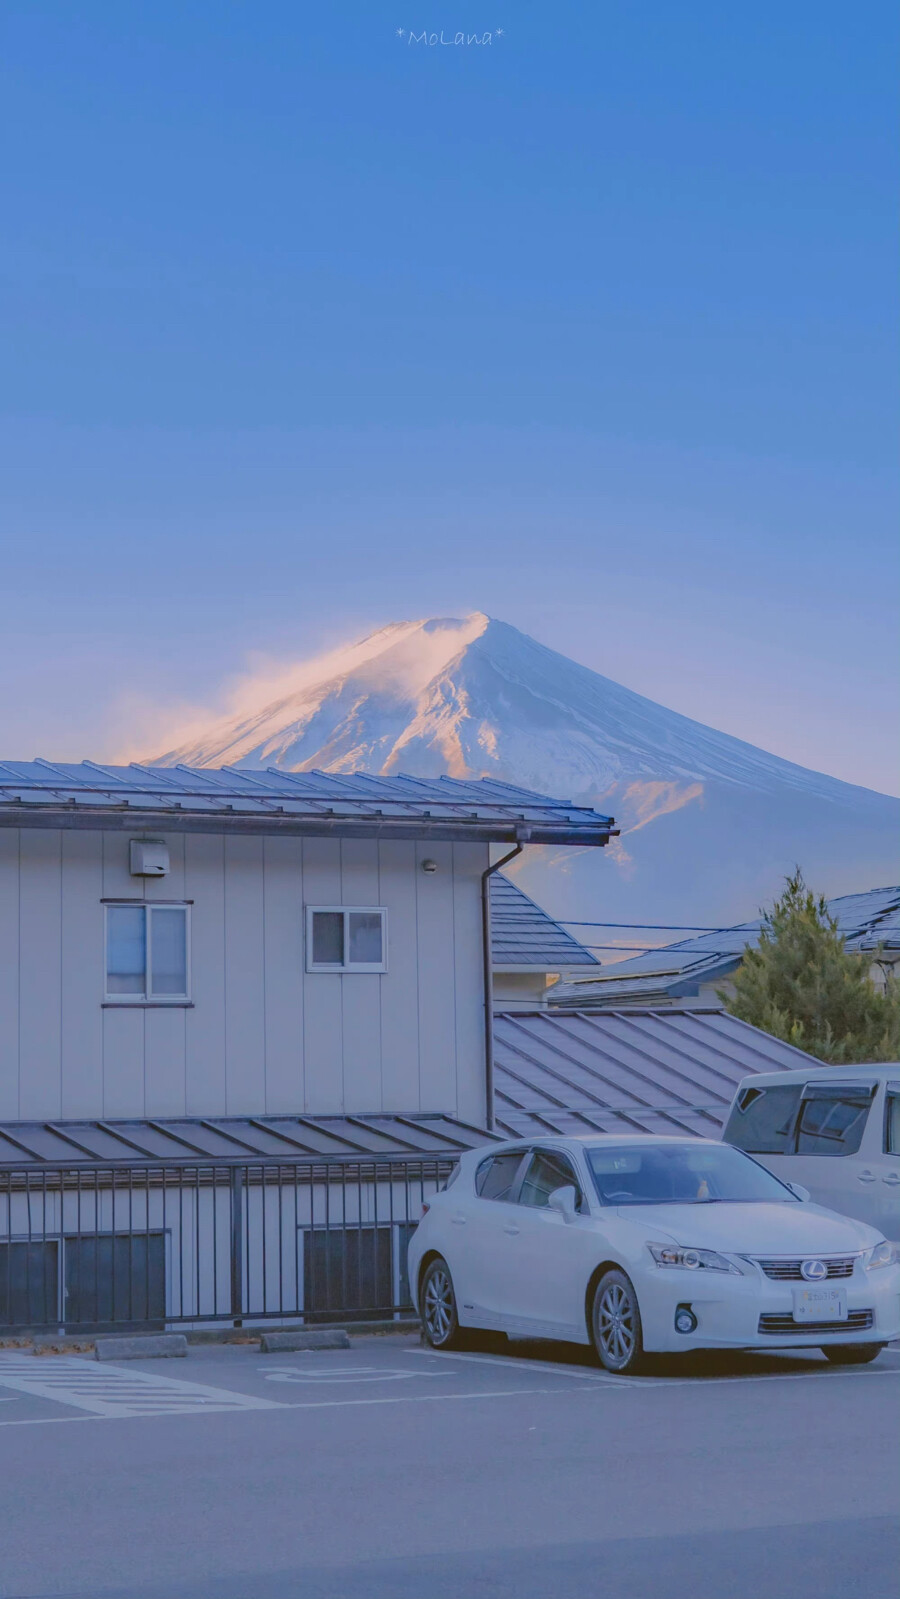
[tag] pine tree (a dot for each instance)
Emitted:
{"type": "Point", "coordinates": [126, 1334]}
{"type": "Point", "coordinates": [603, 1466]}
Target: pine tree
{"type": "Point", "coordinates": [800, 983]}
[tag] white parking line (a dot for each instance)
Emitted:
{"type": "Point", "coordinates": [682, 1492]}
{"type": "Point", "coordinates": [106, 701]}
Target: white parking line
{"type": "Point", "coordinates": [426, 1399]}
{"type": "Point", "coordinates": [112, 1391]}
{"type": "Point", "coordinates": [527, 1363]}
{"type": "Point", "coordinates": [321, 1376]}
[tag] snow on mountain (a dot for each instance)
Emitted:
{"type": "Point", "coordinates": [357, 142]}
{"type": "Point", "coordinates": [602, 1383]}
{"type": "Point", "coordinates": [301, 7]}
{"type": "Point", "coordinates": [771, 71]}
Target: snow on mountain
{"type": "Point", "coordinates": [709, 824]}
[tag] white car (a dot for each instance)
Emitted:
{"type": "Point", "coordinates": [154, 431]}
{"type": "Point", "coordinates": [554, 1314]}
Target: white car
{"type": "Point", "coordinates": [640, 1244]}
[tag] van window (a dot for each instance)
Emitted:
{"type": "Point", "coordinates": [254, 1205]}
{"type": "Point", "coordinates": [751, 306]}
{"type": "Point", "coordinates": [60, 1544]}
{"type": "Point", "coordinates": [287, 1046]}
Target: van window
{"type": "Point", "coordinates": [892, 1122]}
{"type": "Point", "coordinates": [832, 1123]}
{"type": "Point", "coordinates": [762, 1121]}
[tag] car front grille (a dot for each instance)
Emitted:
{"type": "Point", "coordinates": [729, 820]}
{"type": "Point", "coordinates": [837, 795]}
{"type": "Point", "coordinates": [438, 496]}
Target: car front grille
{"type": "Point", "coordinates": [789, 1270]}
{"type": "Point", "coordinates": [857, 1321]}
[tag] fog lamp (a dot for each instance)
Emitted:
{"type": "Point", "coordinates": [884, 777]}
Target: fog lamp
{"type": "Point", "coordinates": [685, 1320]}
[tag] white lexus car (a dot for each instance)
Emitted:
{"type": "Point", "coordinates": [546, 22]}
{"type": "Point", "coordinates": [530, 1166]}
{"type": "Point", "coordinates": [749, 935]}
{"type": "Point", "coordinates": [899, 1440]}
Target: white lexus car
{"type": "Point", "coordinates": [640, 1244]}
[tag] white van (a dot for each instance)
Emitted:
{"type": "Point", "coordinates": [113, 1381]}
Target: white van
{"type": "Point", "coordinates": [834, 1130]}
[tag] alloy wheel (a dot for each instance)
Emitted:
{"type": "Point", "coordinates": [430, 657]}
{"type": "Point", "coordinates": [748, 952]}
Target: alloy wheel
{"type": "Point", "coordinates": [438, 1309]}
{"type": "Point", "coordinates": [617, 1324]}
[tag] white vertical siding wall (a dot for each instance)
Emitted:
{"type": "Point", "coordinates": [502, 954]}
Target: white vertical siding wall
{"type": "Point", "coordinates": [261, 1035]}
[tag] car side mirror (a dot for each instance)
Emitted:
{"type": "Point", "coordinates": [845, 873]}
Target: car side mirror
{"type": "Point", "coordinates": [800, 1192]}
{"type": "Point", "coordinates": [563, 1200]}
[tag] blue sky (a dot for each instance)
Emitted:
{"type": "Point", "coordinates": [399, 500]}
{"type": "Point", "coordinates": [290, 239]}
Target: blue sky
{"type": "Point", "coordinates": [308, 328]}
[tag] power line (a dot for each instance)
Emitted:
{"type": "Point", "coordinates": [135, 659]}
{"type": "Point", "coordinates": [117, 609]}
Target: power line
{"type": "Point", "coordinates": [635, 949]}
{"type": "Point", "coordinates": [652, 927]}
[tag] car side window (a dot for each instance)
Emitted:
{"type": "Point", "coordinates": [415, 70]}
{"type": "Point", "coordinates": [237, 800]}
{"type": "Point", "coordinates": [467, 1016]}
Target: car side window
{"type": "Point", "coordinates": [762, 1121]}
{"type": "Point", "coordinates": [832, 1123]}
{"type": "Point", "coordinates": [496, 1176]}
{"type": "Point", "coordinates": [892, 1122]}
{"type": "Point", "coordinates": [547, 1170]}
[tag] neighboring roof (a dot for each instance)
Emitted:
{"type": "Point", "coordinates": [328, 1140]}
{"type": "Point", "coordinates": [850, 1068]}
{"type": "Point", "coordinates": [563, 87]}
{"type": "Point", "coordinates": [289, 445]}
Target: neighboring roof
{"type": "Point", "coordinates": [225, 799]}
{"type": "Point", "coordinates": [525, 938]}
{"type": "Point", "coordinates": [677, 970]}
{"type": "Point", "coordinates": [652, 1071]}
{"type": "Point", "coordinates": [224, 1139]}
{"type": "Point", "coordinates": [867, 920]}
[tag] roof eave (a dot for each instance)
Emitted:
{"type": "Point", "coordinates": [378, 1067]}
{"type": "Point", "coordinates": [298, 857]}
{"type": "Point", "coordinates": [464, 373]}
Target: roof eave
{"type": "Point", "coordinates": [442, 829]}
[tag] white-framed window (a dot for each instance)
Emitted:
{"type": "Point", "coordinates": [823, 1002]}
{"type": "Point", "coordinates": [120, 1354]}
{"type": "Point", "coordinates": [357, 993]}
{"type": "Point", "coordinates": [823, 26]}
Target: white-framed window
{"type": "Point", "coordinates": [148, 954]}
{"type": "Point", "coordinates": [346, 938]}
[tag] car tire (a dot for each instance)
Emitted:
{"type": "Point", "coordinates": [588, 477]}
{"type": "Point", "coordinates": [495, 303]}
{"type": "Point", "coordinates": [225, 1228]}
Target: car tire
{"type": "Point", "coordinates": [437, 1301]}
{"type": "Point", "coordinates": [616, 1324]}
{"type": "Point", "coordinates": [851, 1354]}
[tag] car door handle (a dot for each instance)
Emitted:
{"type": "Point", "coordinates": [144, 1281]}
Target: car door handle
{"type": "Point", "coordinates": [458, 1221]}
{"type": "Point", "coordinates": [893, 1179]}
{"type": "Point", "coordinates": [865, 1177]}
{"type": "Point", "coordinates": [512, 1229]}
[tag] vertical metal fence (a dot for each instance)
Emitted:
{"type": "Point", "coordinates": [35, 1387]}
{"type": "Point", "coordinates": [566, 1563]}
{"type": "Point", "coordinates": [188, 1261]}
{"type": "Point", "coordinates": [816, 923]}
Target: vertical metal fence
{"type": "Point", "coordinates": [91, 1249]}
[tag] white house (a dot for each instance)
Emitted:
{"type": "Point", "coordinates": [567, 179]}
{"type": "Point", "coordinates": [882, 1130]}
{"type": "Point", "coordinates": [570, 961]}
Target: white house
{"type": "Point", "coordinates": [220, 943]}
{"type": "Point", "coordinates": [210, 979]}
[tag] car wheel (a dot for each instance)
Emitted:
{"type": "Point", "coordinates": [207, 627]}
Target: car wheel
{"type": "Point", "coordinates": [616, 1324]}
{"type": "Point", "coordinates": [440, 1322]}
{"type": "Point", "coordinates": [851, 1354]}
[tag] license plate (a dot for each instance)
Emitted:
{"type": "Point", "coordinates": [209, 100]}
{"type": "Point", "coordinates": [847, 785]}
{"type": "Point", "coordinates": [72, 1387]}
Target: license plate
{"type": "Point", "coordinates": [820, 1304]}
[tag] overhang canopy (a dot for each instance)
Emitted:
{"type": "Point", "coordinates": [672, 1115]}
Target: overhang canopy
{"type": "Point", "coordinates": [222, 1140]}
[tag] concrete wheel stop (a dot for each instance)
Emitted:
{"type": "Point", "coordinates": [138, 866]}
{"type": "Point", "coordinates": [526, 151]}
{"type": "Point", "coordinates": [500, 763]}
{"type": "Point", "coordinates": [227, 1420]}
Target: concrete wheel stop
{"type": "Point", "coordinates": [143, 1346]}
{"type": "Point", "coordinates": [275, 1343]}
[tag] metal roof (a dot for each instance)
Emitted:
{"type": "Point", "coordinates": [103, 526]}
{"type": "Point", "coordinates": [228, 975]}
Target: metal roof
{"type": "Point", "coordinates": [226, 799]}
{"type": "Point", "coordinates": [677, 970]}
{"type": "Point", "coordinates": [222, 1139]}
{"type": "Point", "coordinates": [867, 920]}
{"type": "Point", "coordinates": [525, 938]}
{"type": "Point", "coordinates": [651, 1071]}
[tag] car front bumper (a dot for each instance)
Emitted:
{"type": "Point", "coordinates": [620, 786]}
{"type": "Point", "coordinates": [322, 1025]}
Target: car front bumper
{"type": "Point", "coordinates": [751, 1311]}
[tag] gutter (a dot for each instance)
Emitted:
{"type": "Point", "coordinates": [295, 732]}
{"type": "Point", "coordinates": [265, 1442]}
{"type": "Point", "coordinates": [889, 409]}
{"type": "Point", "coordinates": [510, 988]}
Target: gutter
{"type": "Point", "coordinates": [523, 838]}
{"type": "Point", "coordinates": [595, 831]}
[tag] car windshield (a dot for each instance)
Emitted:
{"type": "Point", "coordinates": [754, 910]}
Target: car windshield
{"type": "Point", "coordinates": [680, 1174]}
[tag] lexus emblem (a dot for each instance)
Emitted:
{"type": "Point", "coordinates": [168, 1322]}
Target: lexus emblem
{"type": "Point", "coordinates": [814, 1270]}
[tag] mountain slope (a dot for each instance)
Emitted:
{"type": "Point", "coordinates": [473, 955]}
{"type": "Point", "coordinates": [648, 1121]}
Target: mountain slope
{"type": "Point", "coordinates": [710, 824]}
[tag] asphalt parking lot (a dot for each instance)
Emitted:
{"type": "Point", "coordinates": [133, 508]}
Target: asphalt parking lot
{"type": "Point", "coordinates": [388, 1471]}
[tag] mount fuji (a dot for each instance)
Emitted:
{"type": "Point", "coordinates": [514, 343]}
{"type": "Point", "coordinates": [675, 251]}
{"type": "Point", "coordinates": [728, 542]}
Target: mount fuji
{"type": "Point", "coordinates": [709, 824]}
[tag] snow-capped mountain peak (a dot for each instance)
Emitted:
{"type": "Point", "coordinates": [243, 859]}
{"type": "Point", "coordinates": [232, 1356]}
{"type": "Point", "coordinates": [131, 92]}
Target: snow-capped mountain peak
{"type": "Point", "coordinates": [709, 823]}
{"type": "Point", "coordinates": [474, 697]}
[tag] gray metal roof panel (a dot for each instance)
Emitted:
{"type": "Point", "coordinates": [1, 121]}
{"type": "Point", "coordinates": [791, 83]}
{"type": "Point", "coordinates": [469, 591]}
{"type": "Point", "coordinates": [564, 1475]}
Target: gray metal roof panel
{"type": "Point", "coordinates": [650, 1070]}
{"type": "Point", "coordinates": [574, 1124]}
{"type": "Point", "coordinates": [208, 798]}
{"type": "Point", "coordinates": [524, 935]}
{"type": "Point", "coordinates": [288, 1139]}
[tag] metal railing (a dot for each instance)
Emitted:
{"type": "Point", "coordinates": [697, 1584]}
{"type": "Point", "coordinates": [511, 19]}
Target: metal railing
{"type": "Point", "coordinates": [106, 1248]}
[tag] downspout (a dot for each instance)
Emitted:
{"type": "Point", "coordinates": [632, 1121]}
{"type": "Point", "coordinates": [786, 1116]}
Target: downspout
{"type": "Point", "coordinates": [489, 980]}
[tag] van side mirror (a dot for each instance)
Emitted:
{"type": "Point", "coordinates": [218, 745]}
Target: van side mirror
{"type": "Point", "coordinates": [564, 1200]}
{"type": "Point", "coordinates": [800, 1192]}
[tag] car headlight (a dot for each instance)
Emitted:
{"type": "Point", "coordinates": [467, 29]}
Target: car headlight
{"type": "Point", "coordinates": [883, 1254]}
{"type": "Point", "coordinates": [691, 1259]}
